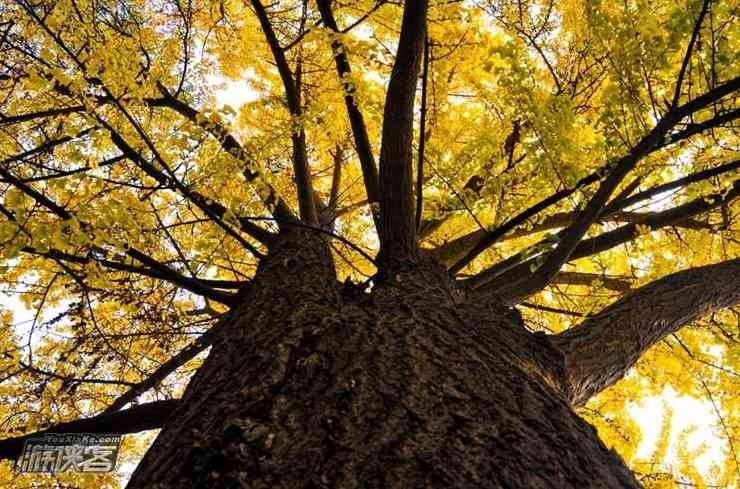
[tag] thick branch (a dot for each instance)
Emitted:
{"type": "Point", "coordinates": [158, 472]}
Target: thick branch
{"type": "Point", "coordinates": [575, 232]}
{"type": "Point", "coordinates": [329, 214]}
{"type": "Point", "coordinates": [618, 204]}
{"type": "Point", "coordinates": [453, 250]}
{"type": "Point", "coordinates": [143, 417]}
{"type": "Point", "coordinates": [456, 250]}
{"type": "Point", "coordinates": [491, 237]}
{"type": "Point", "coordinates": [357, 122]}
{"type": "Point", "coordinates": [192, 284]}
{"type": "Point", "coordinates": [513, 291]}
{"type": "Point", "coordinates": [397, 230]}
{"type": "Point", "coordinates": [697, 127]}
{"type": "Point", "coordinates": [422, 137]}
{"type": "Point", "coordinates": [601, 350]}
{"type": "Point", "coordinates": [292, 93]}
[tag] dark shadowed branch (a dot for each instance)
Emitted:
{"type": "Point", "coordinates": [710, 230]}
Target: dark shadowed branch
{"type": "Point", "coordinates": [68, 379]}
{"type": "Point", "coordinates": [619, 284]}
{"type": "Point", "coordinates": [618, 204]}
{"type": "Point", "coordinates": [153, 379]}
{"type": "Point", "coordinates": [29, 116]}
{"type": "Point", "coordinates": [301, 165]}
{"type": "Point", "coordinates": [453, 250]}
{"type": "Point", "coordinates": [422, 136]}
{"type": "Point", "coordinates": [143, 417]}
{"type": "Point", "coordinates": [329, 214]}
{"type": "Point", "coordinates": [357, 122]}
{"type": "Point", "coordinates": [501, 278]}
{"type": "Point", "coordinates": [689, 52]}
{"type": "Point", "coordinates": [397, 230]}
{"type": "Point", "coordinates": [160, 271]}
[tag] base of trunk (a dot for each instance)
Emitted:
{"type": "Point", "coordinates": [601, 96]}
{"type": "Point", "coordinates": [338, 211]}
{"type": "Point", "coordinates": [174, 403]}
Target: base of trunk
{"type": "Point", "coordinates": [408, 387]}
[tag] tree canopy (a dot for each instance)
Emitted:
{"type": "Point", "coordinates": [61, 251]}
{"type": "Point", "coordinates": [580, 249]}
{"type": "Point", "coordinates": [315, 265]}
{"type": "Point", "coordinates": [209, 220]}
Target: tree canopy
{"type": "Point", "coordinates": [565, 153]}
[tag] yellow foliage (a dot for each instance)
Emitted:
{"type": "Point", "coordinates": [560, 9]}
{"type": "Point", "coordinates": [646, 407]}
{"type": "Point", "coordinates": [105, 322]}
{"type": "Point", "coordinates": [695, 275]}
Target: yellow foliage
{"type": "Point", "coordinates": [524, 98]}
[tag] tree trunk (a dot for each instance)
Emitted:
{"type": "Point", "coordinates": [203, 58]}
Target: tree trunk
{"type": "Point", "coordinates": [412, 385]}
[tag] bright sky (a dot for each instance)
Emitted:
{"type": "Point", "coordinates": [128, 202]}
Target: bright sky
{"type": "Point", "coordinates": [688, 414]}
{"type": "Point", "coordinates": [233, 93]}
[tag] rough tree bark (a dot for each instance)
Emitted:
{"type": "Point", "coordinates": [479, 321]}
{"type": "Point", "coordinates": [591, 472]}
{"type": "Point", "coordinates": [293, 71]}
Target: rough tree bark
{"type": "Point", "coordinates": [417, 384]}
{"type": "Point", "coordinates": [600, 350]}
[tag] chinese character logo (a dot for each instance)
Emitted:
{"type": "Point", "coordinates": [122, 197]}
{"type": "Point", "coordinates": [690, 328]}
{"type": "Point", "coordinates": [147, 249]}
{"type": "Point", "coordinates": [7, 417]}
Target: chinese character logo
{"type": "Point", "coordinates": [74, 452]}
